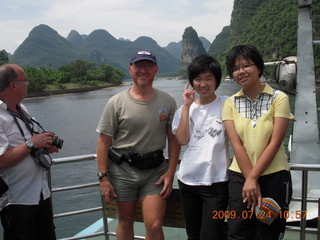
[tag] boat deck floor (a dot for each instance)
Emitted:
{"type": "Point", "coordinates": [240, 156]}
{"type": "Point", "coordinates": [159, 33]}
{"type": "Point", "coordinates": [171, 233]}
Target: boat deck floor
{"type": "Point", "coordinates": [180, 233]}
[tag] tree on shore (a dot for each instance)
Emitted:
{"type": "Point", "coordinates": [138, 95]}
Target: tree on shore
{"type": "Point", "coordinates": [79, 72]}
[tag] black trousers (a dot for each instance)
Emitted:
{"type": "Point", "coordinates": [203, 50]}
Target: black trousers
{"type": "Point", "coordinates": [246, 226]}
{"type": "Point", "coordinates": [28, 222]}
{"type": "Point", "coordinates": [202, 205]}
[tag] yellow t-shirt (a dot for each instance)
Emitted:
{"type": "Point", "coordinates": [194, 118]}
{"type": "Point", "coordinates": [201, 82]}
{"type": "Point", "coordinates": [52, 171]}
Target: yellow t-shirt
{"type": "Point", "coordinates": [254, 124]}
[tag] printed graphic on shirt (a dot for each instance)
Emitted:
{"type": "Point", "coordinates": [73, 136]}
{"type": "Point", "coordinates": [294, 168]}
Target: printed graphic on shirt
{"type": "Point", "coordinates": [214, 132]}
{"type": "Point", "coordinates": [211, 128]}
{"type": "Point", "coordinates": [163, 113]}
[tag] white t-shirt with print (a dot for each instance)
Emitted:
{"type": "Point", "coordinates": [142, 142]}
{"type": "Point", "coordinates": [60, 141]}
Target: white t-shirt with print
{"type": "Point", "coordinates": [206, 159]}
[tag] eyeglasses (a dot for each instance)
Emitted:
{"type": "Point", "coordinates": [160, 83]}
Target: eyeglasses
{"type": "Point", "coordinates": [139, 66]}
{"type": "Point", "coordinates": [245, 67]}
{"type": "Point", "coordinates": [26, 82]}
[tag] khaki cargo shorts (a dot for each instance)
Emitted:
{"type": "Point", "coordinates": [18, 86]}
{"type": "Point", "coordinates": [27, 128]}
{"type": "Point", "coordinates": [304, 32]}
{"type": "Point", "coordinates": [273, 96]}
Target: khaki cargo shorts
{"type": "Point", "coordinates": [131, 183]}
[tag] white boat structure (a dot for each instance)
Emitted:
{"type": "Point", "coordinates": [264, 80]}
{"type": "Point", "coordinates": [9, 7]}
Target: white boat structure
{"type": "Point", "coordinates": [228, 79]}
{"type": "Point", "coordinates": [304, 154]}
{"type": "Point", "coordinates": [299, 79]}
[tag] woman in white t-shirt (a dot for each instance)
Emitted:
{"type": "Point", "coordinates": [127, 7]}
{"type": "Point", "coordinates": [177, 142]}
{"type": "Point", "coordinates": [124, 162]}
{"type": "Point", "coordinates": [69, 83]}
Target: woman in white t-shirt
{"type": "Point", "coordinates": [202, 175]}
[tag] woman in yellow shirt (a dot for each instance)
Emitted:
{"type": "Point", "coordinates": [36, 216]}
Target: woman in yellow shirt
{"type": "Point", "coordinates": [256, 119]}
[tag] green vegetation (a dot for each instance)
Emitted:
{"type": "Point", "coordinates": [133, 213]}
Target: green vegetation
{"type": "Point", "coordinates": [77, 74]}
{"type": "Point", "coordinates": [44, 46]}
{"type": "Point", "coordinates": [270, 25]}
{"type": "Point", "coordinates": [3, 57]}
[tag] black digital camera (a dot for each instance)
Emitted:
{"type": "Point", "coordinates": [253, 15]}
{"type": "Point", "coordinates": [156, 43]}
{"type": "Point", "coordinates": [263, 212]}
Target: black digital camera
{"type": "Point", "coordinates": [41, 155]}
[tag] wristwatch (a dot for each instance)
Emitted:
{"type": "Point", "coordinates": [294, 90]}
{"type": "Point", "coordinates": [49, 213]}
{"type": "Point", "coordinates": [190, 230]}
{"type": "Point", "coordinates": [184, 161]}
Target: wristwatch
{"type": "Point", "coordinates": [101, 175]}
{"type": "Point", "coordinates": [30, 144]}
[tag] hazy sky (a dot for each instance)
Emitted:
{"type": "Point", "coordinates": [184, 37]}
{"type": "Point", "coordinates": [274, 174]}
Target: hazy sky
{"type": "Point", "coordinates": [162, 20]}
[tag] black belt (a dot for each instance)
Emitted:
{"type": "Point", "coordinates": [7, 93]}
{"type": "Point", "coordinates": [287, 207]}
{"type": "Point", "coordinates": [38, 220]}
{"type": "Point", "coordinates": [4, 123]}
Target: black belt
{"type": "Point", "coordinates": [138, 160]}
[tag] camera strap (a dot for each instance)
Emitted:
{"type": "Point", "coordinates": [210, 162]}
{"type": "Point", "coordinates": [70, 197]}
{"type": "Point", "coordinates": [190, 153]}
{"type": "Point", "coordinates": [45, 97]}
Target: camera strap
{"type": "Point", "coordinates": [43, 160]}
{"type": "Point", "coordinates": [27, 119]}
{"type": "Point", "coordinates": [14, 115]}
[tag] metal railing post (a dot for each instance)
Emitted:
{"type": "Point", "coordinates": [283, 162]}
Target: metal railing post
{"type": "Point", "coordinates": [318, 232]}
{"type": "Point", "coordinates": [304, 194]}
{"type": "Point", "coordinates": [105, 220]}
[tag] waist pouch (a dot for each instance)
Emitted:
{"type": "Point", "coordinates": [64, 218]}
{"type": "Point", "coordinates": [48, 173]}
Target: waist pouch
{"type": "Point", "coordinates": [137, 160]}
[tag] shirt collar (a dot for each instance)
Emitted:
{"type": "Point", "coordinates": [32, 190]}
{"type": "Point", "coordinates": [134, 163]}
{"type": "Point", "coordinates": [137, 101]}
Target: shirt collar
{"type": "Point", "coordinates": [267, 90]}
{"type": "Point", "coordinates": [3, 105]}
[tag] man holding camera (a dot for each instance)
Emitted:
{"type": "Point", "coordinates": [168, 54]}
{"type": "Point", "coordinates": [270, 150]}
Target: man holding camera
{"type": "Point", "coordinates": [135, 124]}
{"type": "Point", "coordinates": [26, 209]}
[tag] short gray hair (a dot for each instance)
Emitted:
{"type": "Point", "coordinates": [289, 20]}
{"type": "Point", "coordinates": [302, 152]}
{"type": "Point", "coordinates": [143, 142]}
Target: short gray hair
{"type": "Point", "coordinates": [7, 75]}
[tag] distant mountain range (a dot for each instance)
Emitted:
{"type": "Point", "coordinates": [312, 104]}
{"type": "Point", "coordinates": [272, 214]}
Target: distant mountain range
{"type": "Point", "coordinates": [270, 25]}
{"type": "Point", "coordinates": [45, 47]}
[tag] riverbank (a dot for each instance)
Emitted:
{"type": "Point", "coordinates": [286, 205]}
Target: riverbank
{"type": "Point", "coordinates": [82, 89]}
{"type": "Point", "coordinates": [66, 91]}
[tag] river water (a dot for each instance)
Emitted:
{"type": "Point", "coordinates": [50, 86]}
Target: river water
{"type": "Point", "coordinates": [74, 118]}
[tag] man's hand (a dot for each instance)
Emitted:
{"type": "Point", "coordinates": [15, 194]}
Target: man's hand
{"type": "Point", "coordinates": [42, 140]}
{"type": "Point", "coordinates": [52, 149]}
{"type": "Point", "coordinates": [107, 190]}
{"type": "Point", "coordinates": [167, 180]}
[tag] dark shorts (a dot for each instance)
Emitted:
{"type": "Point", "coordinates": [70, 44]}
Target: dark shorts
{"type": "Point", "coordinates": [131, 183]}
{"type": "Point", "coordinates": [28, 222]}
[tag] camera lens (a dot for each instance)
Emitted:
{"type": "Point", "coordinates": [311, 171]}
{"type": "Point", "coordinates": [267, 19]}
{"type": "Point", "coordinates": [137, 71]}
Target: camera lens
{"type": "Point", "coordinates": [57, 142]}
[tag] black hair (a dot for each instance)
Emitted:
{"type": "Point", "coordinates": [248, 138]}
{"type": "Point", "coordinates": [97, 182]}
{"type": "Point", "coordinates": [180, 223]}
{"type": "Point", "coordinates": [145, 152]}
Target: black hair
{"type": "Point", "coordinates": [7, 75]}
{"type": "Point", "coordinates": [247, 52]}
{"type": "Point", "coordinates": [202, 64]}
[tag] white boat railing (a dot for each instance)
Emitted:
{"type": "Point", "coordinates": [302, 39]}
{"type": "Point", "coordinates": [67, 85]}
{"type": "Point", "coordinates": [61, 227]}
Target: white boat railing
{"type": "Point", "coordinates": [65, 160]}
{"type": "Point", "coordinates": [304, 199]}
{"type": "Point", "coordinates": [303, 168]}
